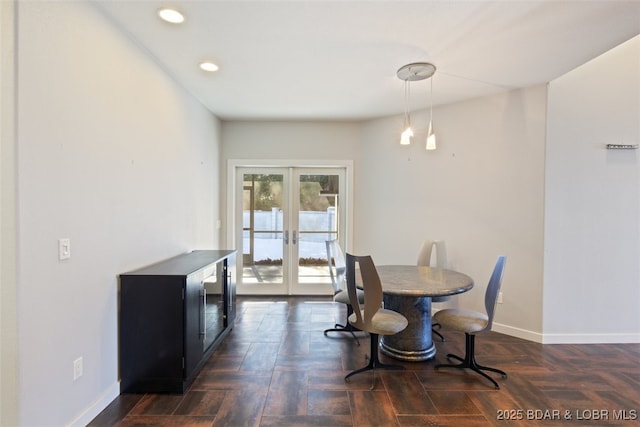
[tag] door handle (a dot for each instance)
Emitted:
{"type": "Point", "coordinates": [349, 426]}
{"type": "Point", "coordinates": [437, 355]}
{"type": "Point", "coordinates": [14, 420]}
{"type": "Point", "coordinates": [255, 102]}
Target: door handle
{"type": "Point", "coordinates": [294, 237]}
{"type": "Point", "coordinates": [286, 237]}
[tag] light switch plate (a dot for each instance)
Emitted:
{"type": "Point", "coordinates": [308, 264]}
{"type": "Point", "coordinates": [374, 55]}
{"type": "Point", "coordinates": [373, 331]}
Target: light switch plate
{"type": "Point", "coordinates": [64, 248]}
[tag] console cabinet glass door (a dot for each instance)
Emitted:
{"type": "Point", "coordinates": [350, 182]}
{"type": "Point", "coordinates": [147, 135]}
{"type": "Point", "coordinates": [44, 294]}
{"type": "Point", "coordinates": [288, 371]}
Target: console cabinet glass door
{"type": "Point", "coordinates": [213, 294]}
{"type": "Point", "coordinates": [286, 215]}
{"type": "Point", "coordinates": [193, 347]}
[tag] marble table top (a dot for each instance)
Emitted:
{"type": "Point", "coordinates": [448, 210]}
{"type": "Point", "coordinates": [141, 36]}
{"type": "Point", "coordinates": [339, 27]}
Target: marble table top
{"type": "Point", "coordinates": [413, 280]}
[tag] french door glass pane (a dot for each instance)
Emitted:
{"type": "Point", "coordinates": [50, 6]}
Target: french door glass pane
{"type": "Point", "coordinates": [317, 222]}
{"type": "Point", "coordinates": [262, 228]}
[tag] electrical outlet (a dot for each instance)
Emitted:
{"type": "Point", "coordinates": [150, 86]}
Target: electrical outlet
{"type": "Point", "coordinates": [77, 368]}
{"type": "Point", "coordinates": [500, 298]}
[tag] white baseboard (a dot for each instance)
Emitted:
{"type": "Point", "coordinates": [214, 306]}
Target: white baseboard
{"type": "Point", "coordinates": [591, 339]}
{"type": "Point", "coordinates": [97, 406]}
{"type": "Point", "coordinates": [517, 332]}
{"type": "Point", "coordinates": [566, 338]}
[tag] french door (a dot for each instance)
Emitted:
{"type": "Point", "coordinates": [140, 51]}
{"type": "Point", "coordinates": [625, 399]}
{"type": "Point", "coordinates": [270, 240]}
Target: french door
{"type": "Point", "coordinates": [284, 215]}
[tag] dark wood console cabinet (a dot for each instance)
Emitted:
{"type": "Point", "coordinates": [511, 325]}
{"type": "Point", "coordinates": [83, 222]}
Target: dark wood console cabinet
{"type": "Point", "coordinates": [173, 314]}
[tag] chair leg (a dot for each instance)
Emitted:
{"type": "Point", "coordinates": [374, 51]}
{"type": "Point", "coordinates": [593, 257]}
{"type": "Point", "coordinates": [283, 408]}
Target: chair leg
{"type": "Point", "coordinates": [374, 361]}
{"type": "Point", "coordinates": [433, 329]}
{"type": "Point", "coordinates": [469, 361]}
{"type": "Point", "coordinates": [347, 327]}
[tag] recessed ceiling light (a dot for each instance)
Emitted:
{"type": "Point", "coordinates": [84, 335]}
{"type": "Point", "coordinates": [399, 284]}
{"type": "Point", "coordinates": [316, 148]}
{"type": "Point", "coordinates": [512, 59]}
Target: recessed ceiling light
{"type": "Point", "coordinates": [171, 15]}
{"type": "Point", "coordinates": [209, 66]}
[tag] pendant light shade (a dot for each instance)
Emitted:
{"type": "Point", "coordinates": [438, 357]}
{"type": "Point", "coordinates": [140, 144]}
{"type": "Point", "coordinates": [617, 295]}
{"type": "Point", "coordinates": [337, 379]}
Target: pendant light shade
{"type": "Point", "coordinates": [407, 133]}
{"type": "Point", "coordinates": [405, 136]}
{"type": "Point", "coordinates": [414, 72]}
{"type": "Point", "coordinates": [431, 138]}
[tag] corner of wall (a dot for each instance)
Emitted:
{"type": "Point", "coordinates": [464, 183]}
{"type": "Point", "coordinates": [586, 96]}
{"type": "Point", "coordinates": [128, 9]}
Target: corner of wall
{"type": "Point", "coordinates": [8, 275]}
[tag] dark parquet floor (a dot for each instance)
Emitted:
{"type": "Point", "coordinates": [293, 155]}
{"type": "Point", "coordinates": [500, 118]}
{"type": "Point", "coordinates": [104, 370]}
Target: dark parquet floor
{"type": "Point", "coordinates": [276, 368]}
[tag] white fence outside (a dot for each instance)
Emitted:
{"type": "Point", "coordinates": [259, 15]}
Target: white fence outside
{"type": "Point", "coordinates": [268, 243]}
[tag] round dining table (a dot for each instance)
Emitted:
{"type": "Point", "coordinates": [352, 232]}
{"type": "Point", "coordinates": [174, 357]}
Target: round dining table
{"type": "Point", "coordinates": [408, 289]}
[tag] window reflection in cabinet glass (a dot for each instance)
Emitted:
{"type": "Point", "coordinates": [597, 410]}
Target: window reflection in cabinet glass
{"type": "Point", "coordinates": [214, 308]}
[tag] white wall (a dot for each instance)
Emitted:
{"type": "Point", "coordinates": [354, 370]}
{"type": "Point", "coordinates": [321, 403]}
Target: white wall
{"type": "Point", "coordinates": [481, 191]}
{"type": "Point", "coordinates": [114, 155]}
{"type": "Point", "coordinates": [592, 239]}
{"type": "Point", "coordinates": [8, 221]}
{"type": "Point", "coordinates": [290, 140]}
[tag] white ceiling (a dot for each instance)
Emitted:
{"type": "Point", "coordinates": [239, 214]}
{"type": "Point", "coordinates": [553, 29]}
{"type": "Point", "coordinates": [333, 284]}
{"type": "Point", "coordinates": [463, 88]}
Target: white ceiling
{"type": "Point", "coordinates": [337, 60]}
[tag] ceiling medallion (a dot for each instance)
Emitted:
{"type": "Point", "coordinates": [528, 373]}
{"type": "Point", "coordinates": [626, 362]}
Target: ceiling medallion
{"type": "Point", "coordinates": [416, 71]}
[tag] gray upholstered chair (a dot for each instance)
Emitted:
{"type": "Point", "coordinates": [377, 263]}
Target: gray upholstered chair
{"type": "Point", "coordinates": [370, 316]}
{"type": "Point", "coordinates": [424, 258]}
{"type": "Point", "coordinates": [473, 323]}
{"type": "Point", "coordinates": [335, 258]}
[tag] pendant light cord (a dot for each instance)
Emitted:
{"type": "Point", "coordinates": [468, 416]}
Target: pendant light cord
{"type": "Point", "coordinates": [431, 101]}
{"type": "Point", "coordinates": [407, 94]}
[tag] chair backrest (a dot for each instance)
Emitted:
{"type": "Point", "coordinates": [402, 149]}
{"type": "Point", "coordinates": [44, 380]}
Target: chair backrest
{"type": "Point", "coordinates": [372, 289]}
{"type": "Point", "coordinates": [337, 267]}
{"type": "Point", "coordinates": [426, 250]}
{"type": "Point", "coordinates": [493, 289]}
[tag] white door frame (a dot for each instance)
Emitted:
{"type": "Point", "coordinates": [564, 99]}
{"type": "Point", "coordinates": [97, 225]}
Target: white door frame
{"type": "Point", "coordinates": [231, 188]}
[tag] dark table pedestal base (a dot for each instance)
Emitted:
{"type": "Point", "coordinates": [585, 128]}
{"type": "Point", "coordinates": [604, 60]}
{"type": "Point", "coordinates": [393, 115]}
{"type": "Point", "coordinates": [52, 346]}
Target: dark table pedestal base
{"type": "Point", "coordinates": [414, 344]}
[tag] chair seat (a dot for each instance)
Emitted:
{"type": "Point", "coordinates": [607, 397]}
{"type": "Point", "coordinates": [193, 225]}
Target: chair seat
{"type": "Point", "coordinates": [343, 296]}
{"type": "Point", "coordinates": [461, 320]}
{"type": "Point", "coordinates": [384, 322]}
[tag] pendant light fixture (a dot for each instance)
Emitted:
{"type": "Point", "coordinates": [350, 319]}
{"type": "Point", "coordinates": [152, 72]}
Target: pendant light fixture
{"type": "Point", "coordinates": [409, 73]}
